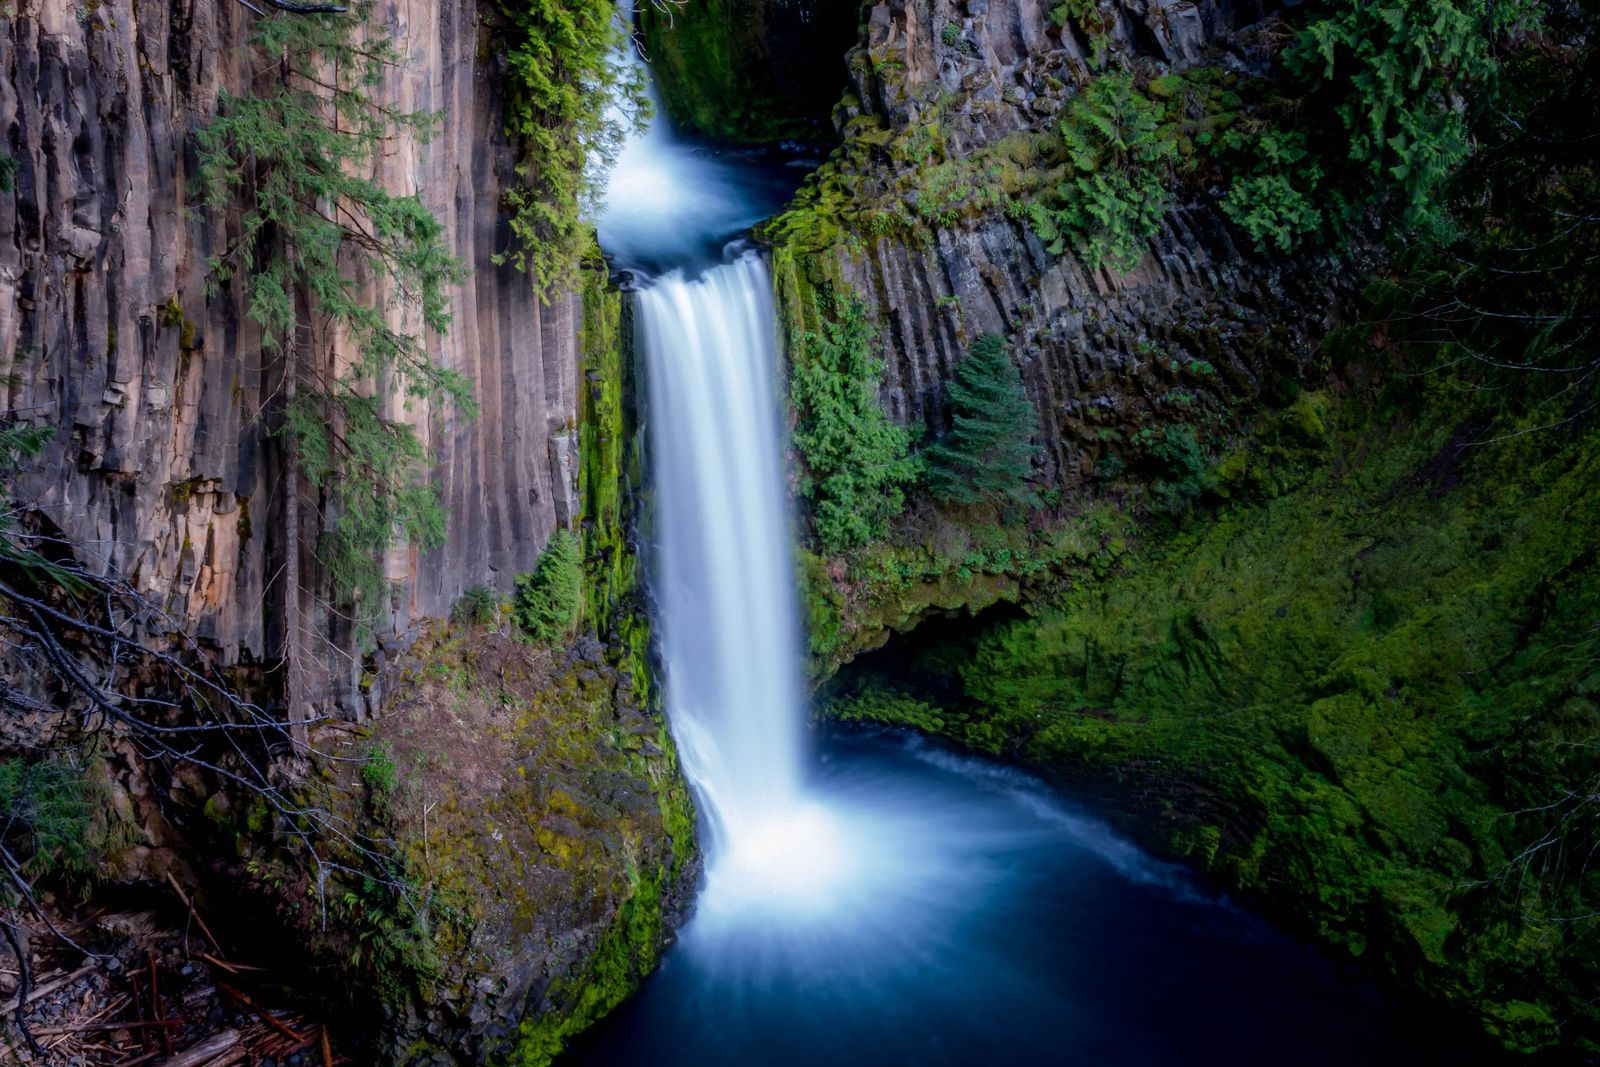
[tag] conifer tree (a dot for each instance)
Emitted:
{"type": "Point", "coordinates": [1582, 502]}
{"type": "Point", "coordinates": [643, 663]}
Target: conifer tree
{"type": "Point", "coordinates": [989, 454]}
{"type": "Point", "coordinates": [549, 600]}
{"type": "Point", "coordinates": [297, 155]}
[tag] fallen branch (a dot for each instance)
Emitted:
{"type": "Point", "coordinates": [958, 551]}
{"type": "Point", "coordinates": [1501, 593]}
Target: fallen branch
{"type": "Point", "coordinates": [83, 1028]}
{"type": "Point", "coordinates": [213, 1047]}
{"type": "Point", "coordinates": [194, 913]}
{"type": "Point", "coordinates": [155, 1008]}
{"type": "Point", "coordinates": [268, 1018]}
{"type": "Point", "coordinates": [136, 1060]}
{"type": "Point", "coordinates": [229, 965]}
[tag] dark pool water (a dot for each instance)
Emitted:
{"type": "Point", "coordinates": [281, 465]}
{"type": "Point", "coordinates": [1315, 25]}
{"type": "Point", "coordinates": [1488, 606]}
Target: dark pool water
{"type": "Point", "coordinates": [978, 918]}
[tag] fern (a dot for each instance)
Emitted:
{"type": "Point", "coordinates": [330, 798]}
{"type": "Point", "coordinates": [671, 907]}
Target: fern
{"type": "Point", "coordinates": [1399, 77]}
{"type": "Point", "coordinates": [1121, 148]}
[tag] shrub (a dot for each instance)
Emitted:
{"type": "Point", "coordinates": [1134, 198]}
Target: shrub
{"type": "Point", "coordinates": [1120, 151]}
{"type": "Point", "coordinates": [547, 601]}
{"type": "Point", "coordinates": [989, 453]}
{"type": "Point", "coordinates": [858, 463]}
{"type": "Point", "coordinates": [1394, 86]}
{"type": "Point", "coordinates": [478, 606]}
{"type": "Point", "coordinates": [379, 770]}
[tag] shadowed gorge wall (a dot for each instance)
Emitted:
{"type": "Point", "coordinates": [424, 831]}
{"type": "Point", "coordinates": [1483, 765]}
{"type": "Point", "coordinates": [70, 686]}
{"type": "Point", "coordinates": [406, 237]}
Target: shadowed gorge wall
{"type": "Point", "coordinates": [1308, 611]}
{"type": "Point", "coordinates": [750, 70]}
{"type": "Point", "coordinates": [950, 129]}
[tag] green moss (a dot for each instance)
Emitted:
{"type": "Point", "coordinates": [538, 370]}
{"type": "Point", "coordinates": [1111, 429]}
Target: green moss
{"type": "Point", "coordinates": [628, 951]}
{"type": "Point", "coordinates": [611, 482]}
{"type": "Point", "coordinates": [1338, 697]}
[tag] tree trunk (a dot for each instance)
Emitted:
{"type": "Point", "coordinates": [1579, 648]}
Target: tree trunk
{"type": "Point", "coordinates": [294, 687]}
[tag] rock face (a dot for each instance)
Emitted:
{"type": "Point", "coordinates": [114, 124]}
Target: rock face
{"type": "Point", "coordinates": [162, 465]}
{"type": "Point", "coordinates": [1200, 320]}
{"type": "Point", "coordinates": [562, 877]}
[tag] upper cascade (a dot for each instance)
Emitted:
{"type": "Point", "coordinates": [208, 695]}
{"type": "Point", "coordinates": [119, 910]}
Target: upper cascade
{"type": "Point", "coordinates": [671, 202]}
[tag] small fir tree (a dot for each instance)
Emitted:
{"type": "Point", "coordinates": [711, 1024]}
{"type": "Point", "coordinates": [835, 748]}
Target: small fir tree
{"type": "Point", "coordinates": [989, 454]}
{"type": "Point", "coordinates": [548, 600]}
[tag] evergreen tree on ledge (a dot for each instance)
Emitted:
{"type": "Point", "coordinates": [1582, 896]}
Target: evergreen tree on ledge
{"type": "Point", "coordinates": [989, 454]}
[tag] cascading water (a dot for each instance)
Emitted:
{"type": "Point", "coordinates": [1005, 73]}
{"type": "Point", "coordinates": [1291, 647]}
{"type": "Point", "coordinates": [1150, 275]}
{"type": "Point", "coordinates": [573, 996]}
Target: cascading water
{"type": "Point", "coordinates": [723, 550]}
{"type": "Point", "coordinates": [877, 901]}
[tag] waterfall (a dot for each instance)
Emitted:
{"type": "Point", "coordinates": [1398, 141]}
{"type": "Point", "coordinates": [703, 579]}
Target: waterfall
{"type": "Point", "coordinates": [877, 900]}
{"type": "Point", "coordinates": [722, 568]}
{"type": "Point", "coordinates": [724, 573]}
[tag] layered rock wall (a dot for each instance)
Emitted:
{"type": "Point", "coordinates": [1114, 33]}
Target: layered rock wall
{"type": "Point", "coordinates": [1201, 321]}
{"type": "Point", "coordinates": [163, 465]}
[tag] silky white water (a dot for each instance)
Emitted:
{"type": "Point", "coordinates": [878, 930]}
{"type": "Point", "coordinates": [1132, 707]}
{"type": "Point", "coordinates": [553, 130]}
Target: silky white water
{"type": "Point", "coordinates": [723, 566]}
{"type": "Point", "coordinates": [789, 862]}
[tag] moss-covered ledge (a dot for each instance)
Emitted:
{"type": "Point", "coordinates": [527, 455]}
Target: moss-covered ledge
{"type": "Point", "coordinates": [518, 841]}
{"type": "Point", "coordinates": [1352, 698]}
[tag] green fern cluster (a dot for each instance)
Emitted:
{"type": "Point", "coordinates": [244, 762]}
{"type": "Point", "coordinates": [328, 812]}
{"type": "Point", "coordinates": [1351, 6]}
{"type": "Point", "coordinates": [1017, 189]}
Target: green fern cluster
{"type": "Point", "coordinates": [1121, 149]}
{"type": "Point", "coordinates": [1398, 71]}
{"type": "Point", "coordinates": [314, 232]}
{"type": "Point", "coordinates": [1394, 86]}
{"type": "Point", "coordinates": [1270, 204]}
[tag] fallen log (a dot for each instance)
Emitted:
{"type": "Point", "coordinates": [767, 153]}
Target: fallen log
{"type": "Point", "coordinates": [218, 1045]}
{"type": "Point", "coordinates": [265, 1015]}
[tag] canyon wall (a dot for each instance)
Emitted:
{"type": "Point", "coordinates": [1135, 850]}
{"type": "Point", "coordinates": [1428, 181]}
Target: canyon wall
{"type": "Point", "coordinates": [952, 114]}
{"type": "Point", "coordinates": [163, 464]}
